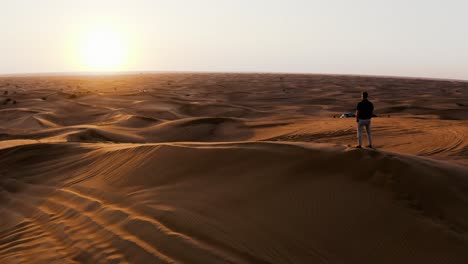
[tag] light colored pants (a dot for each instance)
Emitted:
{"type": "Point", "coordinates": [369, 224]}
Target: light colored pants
{"type": "Point", "coordinates": [364, 123]}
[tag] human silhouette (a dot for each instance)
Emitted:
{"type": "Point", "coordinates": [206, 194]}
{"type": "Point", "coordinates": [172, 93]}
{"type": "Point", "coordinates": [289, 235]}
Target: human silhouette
{"type": "Point", "coordinates": [364, 113]}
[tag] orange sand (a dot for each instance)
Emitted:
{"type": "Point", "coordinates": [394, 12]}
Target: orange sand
{"type": "Point", "coordinates": [231, 168]}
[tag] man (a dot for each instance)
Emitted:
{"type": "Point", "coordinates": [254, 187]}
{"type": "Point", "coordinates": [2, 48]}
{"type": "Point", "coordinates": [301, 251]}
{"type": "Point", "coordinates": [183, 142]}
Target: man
{"type": "Point", "coordinates": [364, 112]}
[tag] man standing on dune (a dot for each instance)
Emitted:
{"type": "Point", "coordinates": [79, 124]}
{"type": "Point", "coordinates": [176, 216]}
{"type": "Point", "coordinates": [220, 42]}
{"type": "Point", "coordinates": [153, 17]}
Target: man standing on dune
{"type": "Point", "coordinates": [364, 113]}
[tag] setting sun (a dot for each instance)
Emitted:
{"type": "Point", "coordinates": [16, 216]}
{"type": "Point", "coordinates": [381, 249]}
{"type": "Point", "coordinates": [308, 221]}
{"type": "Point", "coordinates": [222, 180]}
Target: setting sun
{"type": "Point", "coordinates": [103, 49]}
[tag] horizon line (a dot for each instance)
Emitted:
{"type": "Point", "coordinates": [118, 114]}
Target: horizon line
{"type": "Point", "coordinates": [135, 72]}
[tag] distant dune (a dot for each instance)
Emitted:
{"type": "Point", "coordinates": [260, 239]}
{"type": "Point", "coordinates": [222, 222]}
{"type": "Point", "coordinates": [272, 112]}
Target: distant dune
{"type": "Point", "coordinates": [231, 168]}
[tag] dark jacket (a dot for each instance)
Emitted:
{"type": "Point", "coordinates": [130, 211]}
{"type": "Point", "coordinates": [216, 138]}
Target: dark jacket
{"type": "Point", "coordinates": [365, 109]}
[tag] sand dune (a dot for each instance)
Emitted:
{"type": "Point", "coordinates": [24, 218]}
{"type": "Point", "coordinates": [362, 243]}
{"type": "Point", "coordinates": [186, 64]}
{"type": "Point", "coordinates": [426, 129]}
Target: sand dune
{"type": "Point", "coordinates": [291, 203]}
{"type": "Point", "coordinates": [231, 168]}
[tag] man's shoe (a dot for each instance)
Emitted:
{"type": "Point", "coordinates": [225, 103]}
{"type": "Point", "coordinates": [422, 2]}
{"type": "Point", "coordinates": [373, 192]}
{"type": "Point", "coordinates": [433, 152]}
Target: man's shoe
{"type": "Point", "coordinates": [370, 146]}
{"type": "Point", "coordinates": [358, 146]}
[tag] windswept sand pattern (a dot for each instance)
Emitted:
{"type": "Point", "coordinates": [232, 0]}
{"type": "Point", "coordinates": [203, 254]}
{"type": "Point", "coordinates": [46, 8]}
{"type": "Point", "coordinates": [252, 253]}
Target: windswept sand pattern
{"type": "Point", "coordinates": [231, 168]}
{"type": "Point", "coordinates": [124, 222]}
{"type": "Point", "coordinates": [83, 229]}
{"type": "Point", "coordinates": [443, 140]}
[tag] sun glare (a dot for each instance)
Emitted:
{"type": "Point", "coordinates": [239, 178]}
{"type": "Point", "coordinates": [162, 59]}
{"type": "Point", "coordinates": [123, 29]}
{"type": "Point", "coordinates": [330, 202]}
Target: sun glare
{"type": "Point", "coordinates": [103, 49]}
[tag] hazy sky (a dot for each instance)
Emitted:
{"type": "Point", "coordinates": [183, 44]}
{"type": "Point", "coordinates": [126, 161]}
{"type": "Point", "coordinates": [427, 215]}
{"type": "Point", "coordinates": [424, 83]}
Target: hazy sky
{"type": "Point", "coordinates": [426, 38]}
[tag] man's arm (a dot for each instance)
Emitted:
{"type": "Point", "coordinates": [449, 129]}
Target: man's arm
{"type": "Point", "coordinates": [357, 113]}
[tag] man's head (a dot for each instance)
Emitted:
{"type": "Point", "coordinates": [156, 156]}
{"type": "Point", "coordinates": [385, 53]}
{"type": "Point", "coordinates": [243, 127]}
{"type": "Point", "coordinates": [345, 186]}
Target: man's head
{"type": "Point", "coordinates": [364, 95]}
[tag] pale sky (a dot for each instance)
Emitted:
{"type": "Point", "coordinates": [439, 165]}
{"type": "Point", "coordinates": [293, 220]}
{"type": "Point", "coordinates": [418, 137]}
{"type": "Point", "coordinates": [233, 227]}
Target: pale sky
{"type": "Point", "coordinates": [419, 38]}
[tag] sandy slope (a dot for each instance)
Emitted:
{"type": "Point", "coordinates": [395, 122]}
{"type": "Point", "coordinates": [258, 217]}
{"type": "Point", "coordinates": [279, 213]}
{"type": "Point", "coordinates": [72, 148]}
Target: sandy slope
{"type": "Point", "coordinates": [231, 168]}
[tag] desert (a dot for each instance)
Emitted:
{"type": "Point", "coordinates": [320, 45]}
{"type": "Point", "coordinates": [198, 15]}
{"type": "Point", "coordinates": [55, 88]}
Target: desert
{"type": "Point", "coordinates": [231, 168]}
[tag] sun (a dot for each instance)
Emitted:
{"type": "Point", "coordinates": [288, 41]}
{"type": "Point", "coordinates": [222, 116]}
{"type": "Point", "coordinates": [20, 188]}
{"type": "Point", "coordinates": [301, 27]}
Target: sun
{"type": "Point", "coordinates": [103, 49]}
